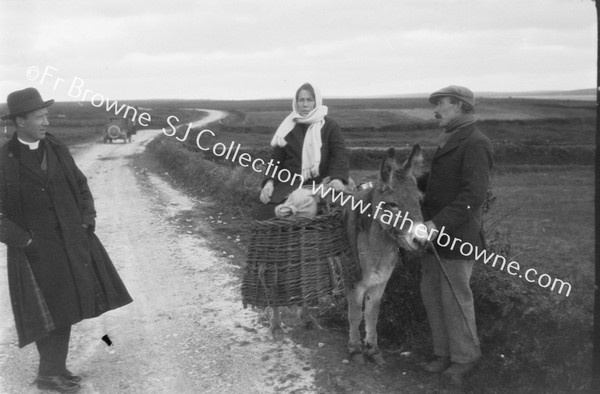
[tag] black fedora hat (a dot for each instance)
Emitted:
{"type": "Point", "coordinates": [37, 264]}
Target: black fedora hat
{"type": "Point", "coordinates": [24, 101]}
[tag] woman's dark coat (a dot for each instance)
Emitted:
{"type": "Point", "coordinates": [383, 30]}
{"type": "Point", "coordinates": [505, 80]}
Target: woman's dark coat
{"type": "Point", "coordinates": [456, 189]}
{"type": "Point", "coordinates": [334, 164]}
{"type": "Point", "coordinates": [334, 158]}
{"type": "Point", "coordinates": [64, 275]}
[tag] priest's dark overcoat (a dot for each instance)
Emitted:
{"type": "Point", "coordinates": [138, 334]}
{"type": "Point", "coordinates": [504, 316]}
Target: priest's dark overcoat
{"type": "Point", "coordinates": [64, 275]}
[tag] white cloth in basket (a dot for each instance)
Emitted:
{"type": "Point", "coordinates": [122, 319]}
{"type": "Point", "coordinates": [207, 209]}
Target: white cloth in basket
{"type": "Point", "coordinates": [300, 203]}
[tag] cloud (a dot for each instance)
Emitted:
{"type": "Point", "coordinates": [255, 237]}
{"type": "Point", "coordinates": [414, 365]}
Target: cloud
{"type": "Point", "coordinates": [237, 49]}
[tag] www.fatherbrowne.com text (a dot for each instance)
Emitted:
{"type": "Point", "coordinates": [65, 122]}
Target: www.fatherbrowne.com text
{"type": "Point", "coordinates": [399, 219]}
{"type": "Point", "coordinates": [444, 240]}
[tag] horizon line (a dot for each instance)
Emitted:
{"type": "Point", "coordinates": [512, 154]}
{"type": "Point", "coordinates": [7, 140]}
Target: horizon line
{"type": "Point", "coordinates": [579, 92]}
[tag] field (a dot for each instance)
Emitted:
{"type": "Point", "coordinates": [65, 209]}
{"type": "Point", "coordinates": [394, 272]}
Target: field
{"type": "Point", "coordinates": [81, 122]}
{"type": "Point", "coordinates": [542, 216]}
{"type": "Point", "coordinates": [402, 122]}
{"type": "Point", "coordinates": [524, 131]}
{"type": "Point", "coordinates": [370, 123]}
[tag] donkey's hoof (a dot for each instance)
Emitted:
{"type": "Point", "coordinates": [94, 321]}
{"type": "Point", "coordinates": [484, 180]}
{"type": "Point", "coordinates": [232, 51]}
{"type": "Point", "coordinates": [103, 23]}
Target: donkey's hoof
{"type": "Point", "coordinates": [377, 358]}
{"type": "Point", "coordinates": [312, 325]}
{"type": "Point", "coordinates": [358, 358]}
{"type": "Point", "coordinates": [374, 354]}
{"type": "Point", "coordinates": [277, 333]}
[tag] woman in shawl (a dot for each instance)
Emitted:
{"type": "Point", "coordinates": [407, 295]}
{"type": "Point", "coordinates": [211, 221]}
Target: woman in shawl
{"type": "Point", "coordinates": [308, 147]}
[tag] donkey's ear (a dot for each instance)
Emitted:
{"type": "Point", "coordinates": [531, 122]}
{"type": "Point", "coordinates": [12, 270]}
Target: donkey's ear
{"type": "Point", "coordinates": [415, 164]}
{"type": "Point", "coordinates": [387, 168]}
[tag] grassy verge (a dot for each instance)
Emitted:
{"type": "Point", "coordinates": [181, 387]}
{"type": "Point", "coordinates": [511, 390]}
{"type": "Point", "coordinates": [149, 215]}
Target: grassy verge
{"type": "Point", "coordinates": [533, 340]}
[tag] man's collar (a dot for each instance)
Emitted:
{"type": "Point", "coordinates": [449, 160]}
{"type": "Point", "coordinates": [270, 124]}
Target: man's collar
{"type": "Point", "coordinates": [31, 145]}
{"type": "Point", "coordinates": [461, 121]}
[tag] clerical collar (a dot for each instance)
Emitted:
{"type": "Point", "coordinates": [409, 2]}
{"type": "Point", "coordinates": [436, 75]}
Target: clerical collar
{"type": "Point", "coordinates": [31, 145]}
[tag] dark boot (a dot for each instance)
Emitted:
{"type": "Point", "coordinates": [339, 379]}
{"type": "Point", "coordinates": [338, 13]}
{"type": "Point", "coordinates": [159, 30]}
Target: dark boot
{"type": "Point", "coordinates": [57, 383]}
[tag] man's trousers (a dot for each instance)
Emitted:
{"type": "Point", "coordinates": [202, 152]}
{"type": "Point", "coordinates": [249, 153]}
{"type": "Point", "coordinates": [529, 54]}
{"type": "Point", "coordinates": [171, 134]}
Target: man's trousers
{"type": "Point", "coordinates": [53, 350]}
{"type": "Point", "coordinates": [449, 330]}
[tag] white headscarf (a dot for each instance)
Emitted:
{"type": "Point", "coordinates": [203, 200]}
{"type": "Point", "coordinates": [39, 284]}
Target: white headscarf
{"type": "Point", "coordinates": [311, 150]}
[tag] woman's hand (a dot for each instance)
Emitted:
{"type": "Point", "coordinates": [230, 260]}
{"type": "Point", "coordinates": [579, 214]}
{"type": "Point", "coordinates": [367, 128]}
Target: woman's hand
{"type": "Point", "coordinates": [337, 185]}
{"type": "Point", "coordinates": [89, 228]}
{"type": "Point", "coordinates": [267, 192]}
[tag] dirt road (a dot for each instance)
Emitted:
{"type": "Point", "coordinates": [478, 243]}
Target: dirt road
{"type": "Point", "coordinates": [186, 331]}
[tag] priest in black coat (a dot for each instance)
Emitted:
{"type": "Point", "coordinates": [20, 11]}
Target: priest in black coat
{"type": "Point", "coordinates": [58, 271]}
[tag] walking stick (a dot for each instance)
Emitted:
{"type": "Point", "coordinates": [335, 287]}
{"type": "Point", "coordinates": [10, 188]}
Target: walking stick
{"type": "Point", "coordinates": [464, 315]}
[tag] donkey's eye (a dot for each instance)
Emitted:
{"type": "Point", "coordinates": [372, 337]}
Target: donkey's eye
{"type": "Point", "coordinates": [391, 205]}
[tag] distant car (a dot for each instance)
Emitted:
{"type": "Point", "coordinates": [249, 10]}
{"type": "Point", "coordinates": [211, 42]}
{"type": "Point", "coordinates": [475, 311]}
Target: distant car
{"type": "Point", "coordinates": [118, 129]}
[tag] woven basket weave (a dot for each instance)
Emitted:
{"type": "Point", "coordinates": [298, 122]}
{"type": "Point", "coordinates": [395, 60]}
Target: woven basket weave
{"type": "Point", "coordinates": [296, 259]}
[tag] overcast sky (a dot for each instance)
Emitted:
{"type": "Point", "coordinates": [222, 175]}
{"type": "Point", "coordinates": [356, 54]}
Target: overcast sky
{"type": "Point", "coordinates": [220, 49]}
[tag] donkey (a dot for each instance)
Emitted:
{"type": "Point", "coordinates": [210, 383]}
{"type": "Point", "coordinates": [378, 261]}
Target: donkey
{"type": "Point", "coordinates": [394, 221]}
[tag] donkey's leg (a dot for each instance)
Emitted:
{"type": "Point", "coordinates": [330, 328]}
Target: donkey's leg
{"type": "Point", "coordinates": [355, 299]}
{"type": "Point", "coordinates": [372, 303]}
{"type": "Point", "coordinates": [275, 328]}
{"type": "Point", "coordinates": [307, 319]}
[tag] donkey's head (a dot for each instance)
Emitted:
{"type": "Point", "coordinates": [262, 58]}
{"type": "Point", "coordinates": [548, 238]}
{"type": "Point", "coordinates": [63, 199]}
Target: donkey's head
{"type": "Point", "coordinates": [396, 199]}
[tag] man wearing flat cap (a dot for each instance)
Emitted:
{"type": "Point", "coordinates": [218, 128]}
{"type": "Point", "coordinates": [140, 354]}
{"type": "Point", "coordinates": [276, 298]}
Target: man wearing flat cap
{"type": "Point", "coordinates": [455, 190]}
{"type": "Point", "coordinates": [58, 271]}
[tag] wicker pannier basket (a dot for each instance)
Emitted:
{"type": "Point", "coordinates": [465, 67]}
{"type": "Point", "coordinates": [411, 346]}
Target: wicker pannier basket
{"type": "Point", "coordinates": [296, 259]}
